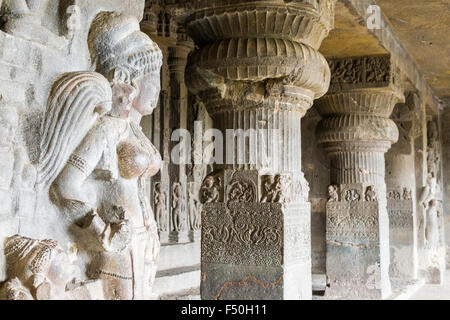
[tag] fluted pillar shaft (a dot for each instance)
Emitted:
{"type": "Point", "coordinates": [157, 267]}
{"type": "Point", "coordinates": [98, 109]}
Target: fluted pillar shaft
{"type": "Point", "coordinates": [177, 60]}
{"type": "Point", "coordinates": [258, 71]}
{"type": "Point", "coordinates": [356, 132]}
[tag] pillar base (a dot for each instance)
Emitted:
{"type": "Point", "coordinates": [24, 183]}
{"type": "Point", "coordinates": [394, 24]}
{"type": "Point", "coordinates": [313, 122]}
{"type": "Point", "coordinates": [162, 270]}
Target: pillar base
{"type": "Point", "coordinates": [164, 237]}
{"type": "Point", "coordinates": [357, 254]}
{"type": "Point", "coordinates": [253, 251]}
{"type": "Point", "coordinates": [434, 273]}
{"type": "Point", "coordinates": [195, 235]}
{"type": "Point", "coordinates": [402, 234]}
{"type": "Point", "coordinates": [179, 237]}
{"type": "Point", "coordinates": [354, 272]}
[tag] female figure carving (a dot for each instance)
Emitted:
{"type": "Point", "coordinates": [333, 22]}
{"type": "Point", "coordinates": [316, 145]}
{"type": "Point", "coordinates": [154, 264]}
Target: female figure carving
{"type": "Point", "coordinates": [178, 208]}
{"type": "Point", "coordinates": [160, 207]}
{"type": "Point", "coordinates": [102, 183]}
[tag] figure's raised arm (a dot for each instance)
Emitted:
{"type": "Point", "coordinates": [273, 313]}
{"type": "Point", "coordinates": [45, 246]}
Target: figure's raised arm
{"type": "Point", "coordinates": [68, 141]}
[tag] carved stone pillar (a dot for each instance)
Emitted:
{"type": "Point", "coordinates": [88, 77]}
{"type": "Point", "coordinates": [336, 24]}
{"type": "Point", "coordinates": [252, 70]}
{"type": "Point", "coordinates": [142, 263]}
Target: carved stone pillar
{"type": "Point", "coordinates": [401, 195]}
{"type": "Point", "coordinates": [179, 226]}
{"type": "Point", "coordinates": [356, 132]}
{"type": "Point", "coordinates": [258, 71]}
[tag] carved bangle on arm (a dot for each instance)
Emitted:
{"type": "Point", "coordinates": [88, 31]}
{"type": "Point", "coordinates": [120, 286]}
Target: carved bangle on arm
{"type": "Point", "coordinates": [79, 163]}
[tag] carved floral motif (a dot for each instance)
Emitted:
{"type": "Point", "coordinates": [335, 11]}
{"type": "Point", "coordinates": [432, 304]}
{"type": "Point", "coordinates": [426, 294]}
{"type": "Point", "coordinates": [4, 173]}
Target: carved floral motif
{"type": "Point", "coordinates": [240, 190]}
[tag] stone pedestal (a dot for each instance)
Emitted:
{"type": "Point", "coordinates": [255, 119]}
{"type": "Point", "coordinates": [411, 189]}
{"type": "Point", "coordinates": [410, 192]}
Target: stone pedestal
{"type": "Point", "coordinates": [255, 250]}
{"type": "Point", "coordinates": [355, 227]}
{"type": "Point", "coordinates": [356, 132]}
{"type": "Point", "coordinates": [402, 237]}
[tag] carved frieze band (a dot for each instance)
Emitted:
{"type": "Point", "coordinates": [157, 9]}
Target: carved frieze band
{"type": "Point", "coordinates": [401, 214]}
{"type": "Point", "coordinates": [400, 208]}
{"type": "Point", "coordinates": [352, 222]}
{"type": "Point", "coordinates": [255, 233]}
{"type": "Point", "coordinates": [248, 187]}
{"type": "Point", "coordinates": [360, 72]}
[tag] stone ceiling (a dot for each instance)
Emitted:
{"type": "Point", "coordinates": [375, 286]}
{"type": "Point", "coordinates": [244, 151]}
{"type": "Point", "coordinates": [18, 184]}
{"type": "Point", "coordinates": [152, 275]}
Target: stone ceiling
{"type": "Point", "coordinates": [423, 28]}
{"type": "Point", "coordinates": [350, 36]}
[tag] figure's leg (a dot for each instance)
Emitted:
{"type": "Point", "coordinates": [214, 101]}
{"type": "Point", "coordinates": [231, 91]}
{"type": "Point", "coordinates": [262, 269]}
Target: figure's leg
{"type": "Point", "coordinates": [151, 262]}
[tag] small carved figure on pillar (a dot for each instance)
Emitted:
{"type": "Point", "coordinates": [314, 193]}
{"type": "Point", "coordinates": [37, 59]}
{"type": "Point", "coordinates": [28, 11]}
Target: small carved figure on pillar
{"type": "Point", "coordinates": [160, 201]}
{"type": "Point", "coordinates": [370, 195]}
{"type": "Point", "coordinates": [407, 194]}
{"type": "Point", "coordinates": [352, 195]}
{"type": "Point", "coordinates": [210, 190]}
{"type": "Point", "coordinates": [194, 211]}
{"type": "Point", "coordinates": [304, 189]}
{"type": "Point", "coordinates": [433, 152]}
{"type": "Point", "coordinates": [178, 208]}
{"type": "Point", "coordinates": [268, 190]}
{"type": "Point", "coordinates": [333, 193]}
{"type": "Point", "coordinates": [394, 195]}
{"type": "Point", "coordinates": [282, 187]}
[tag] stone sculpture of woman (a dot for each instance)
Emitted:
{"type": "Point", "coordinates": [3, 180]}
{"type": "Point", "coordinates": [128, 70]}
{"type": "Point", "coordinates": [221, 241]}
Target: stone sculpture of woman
{"type": "Point", "coordinates": [432, 226]}
{"type": "Point", "coordinates": [131, 60]}
{"type": "Point", "coordinates": [102, 186]}
{"type": "Point", "coordinates": [160, 207]}
{"type": "Point", "coordinates": [429, 192]}
{"type": "Point", "coordinates": [178, 208]}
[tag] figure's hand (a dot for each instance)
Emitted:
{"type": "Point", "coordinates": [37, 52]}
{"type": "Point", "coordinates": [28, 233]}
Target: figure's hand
{"type": "Point", "coordinates": [117, 236]}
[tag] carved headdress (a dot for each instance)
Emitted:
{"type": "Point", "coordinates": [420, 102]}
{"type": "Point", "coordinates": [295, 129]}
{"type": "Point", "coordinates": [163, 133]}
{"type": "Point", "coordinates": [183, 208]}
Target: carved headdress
{"type": "Point", "coordinates": [116, 41]}
{"type": "Point", "coordinates": [76, 101]}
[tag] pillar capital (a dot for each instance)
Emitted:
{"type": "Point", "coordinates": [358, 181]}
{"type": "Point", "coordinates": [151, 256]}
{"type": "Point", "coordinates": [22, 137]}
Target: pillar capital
{"type": "Point", "coordinates": [356, 110]}
{"type": "Point", "coordinates": [259, 55]}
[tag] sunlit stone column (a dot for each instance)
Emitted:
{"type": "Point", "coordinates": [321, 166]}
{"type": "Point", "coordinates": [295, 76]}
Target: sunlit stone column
{"type": "Point", "coordinates": [177, 59]}
{"type": "Point", "coordinates": [258, 71]}
{"type": "Point", "coordinates": [401, 193]}
{"type": "Point", "coordinates": [356, 132]}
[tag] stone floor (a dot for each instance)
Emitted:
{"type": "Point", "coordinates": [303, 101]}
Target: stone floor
{"type": "Point", "coordinates": [434, 292]}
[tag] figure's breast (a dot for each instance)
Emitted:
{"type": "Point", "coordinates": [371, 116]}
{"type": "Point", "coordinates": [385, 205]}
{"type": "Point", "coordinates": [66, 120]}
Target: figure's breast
{"type": "Point", "coordinates": [135, 161]}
